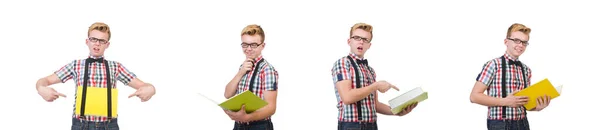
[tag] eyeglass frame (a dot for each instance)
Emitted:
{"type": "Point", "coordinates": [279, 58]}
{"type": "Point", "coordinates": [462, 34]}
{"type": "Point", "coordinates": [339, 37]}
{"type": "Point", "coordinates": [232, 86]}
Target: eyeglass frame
{"type": "Point", "coordinates": [519, 41]}
{"type": "Point", "coordinates": [97, 40]}
{"type": "Point", "coordinates": [251, 45]}
{"type": "Point", "coordinates": [359, 38]}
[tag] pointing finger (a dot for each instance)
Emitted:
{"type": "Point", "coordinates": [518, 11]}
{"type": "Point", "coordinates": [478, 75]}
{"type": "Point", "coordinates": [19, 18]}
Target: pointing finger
{"type": "Point", "coordinates": [394, 87]}
{"type": "Point", "coordinates": [134, 94]}
{"type": "Point", "coordinates": [62, 95]}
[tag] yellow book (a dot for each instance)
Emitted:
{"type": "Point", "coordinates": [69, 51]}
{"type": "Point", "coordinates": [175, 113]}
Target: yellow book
{"type": "Point", "coordinates": [538, 89]}
{"type": "Point", "coordinates": [247, 98]}
{"type": "Point", "coordinates": [402, 101]}
{"type": "Point", "coordinates": [96, 101]}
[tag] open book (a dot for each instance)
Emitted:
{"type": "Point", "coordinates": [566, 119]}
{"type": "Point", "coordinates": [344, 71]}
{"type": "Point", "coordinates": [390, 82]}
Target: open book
{"type": "Point", "coordinates": [400, 102]}
{"type": "Point", "coordinates": [538, 89]}
{"type": "Point", "coordinates": [247, 98]}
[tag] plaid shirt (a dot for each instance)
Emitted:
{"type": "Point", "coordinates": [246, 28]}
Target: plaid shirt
{"type": "Point", "coordinates": [97, 78]}
{"type": "Point", "coordinates": [266, 79]}
{"type": "Point", "coordinates": [343, 70]}
{"type": "Point", "coordinates": [491, 75]}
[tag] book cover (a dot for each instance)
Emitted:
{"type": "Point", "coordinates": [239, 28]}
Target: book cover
{"type": "Point", "coordinates": [247, 98]}
{"type": "Point", "coordinates": [402, 101]}
{"type": "Point", "coordinates": [96, 102]}
{"type": "Point", "coordinates": [538, 89]}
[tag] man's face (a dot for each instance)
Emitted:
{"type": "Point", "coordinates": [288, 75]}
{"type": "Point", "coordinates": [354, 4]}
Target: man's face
{"type": "Point", "coordinates": [252, 46]}
{"type": "Point", "coordinates": [359, 42]}
{"type": "Point", "coordinates": [516, 43]}
{"type": "Point", "coordinates": [97, 42]}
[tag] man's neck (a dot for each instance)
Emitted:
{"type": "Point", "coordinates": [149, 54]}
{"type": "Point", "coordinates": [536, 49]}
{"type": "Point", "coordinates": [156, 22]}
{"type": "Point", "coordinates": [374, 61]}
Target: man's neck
{"type": "Point", "coordinates": [358, 56]}
{"type": "Point", "coordinates": [511, 56]}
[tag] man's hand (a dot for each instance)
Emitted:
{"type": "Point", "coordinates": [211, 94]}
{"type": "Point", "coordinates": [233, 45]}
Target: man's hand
{"type": "Point", "coordinates": [515, 101]}
{"type": "Point", "coordinates": [239, 116]}
{"type": "Point", "coordinates": [384, 86]}
{"type": "Point", "coordinates": [542, 102]}
{"type": "Point", "coordinates": [247, 65]}
{"type": "Point", "coordinates": [408, 109]}
{"type": "Point", "coordinates": [144, 93]}
{"type": "Point", "coordinates": [49, 94]}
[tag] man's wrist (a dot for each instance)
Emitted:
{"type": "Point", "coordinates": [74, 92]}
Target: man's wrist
{"type": "Point", "coordinates": [38, 87]}
{"type": "Point", "coordinates": [247, 117]}
{"type": "Point", "coordinates": [241, 72]}
{"type": "Point", "coordinates": [502, 102]}
{"type": "Point", "coordinates": [374, 86]}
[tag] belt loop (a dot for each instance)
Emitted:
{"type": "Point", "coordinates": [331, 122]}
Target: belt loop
{"type": "Point", "coordinates": [82, 119]}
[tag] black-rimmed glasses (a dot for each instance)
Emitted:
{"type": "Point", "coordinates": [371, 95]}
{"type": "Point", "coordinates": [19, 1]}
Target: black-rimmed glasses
{"type": "Point", "coordinates": [251, 45]}
{"type": "Point", "coordinates": [519, 41]}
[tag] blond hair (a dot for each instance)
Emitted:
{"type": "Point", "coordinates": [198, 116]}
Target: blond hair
{"type": "Point", "coordinates": [362, 26]}
{"type": "Point", "coordinates": [517, 27]}
{"type": "Point", "coordinates": [102, 27]}
{"type": "Point", "coordinates": [254, 29]}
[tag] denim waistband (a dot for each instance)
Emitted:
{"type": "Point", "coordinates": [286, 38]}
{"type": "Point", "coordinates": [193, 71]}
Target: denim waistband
{"type": "Point", "coordinates": [254, 122]}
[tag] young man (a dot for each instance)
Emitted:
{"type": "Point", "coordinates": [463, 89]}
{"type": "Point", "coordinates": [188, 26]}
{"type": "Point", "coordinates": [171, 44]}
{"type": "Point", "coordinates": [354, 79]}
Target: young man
{"type": "Point", "coordinates": [502, 77]}
{"type": "Point", "coordinates": [95, 105]}
{"type": "Point", "coordinates": [356, 86]}
{"type": "Point", "coordinates": [259, 77]}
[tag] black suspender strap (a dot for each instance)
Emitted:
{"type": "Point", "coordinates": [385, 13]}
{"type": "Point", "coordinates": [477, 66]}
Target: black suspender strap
{"type": "Point", "coordinates": [503, 86]}
{"type": "Point", "coordinates": [108, 90]}
{"type": "Point", "coordinates": [357, 78]}
{"type": "Point", "coordinates": [256, 68]}
{"type": "Point", "coordinates": [504, 91]}
{"type": "Point", "coordinates": [84, 88]}
{"type": "Point", "coordinates": [85, 85]}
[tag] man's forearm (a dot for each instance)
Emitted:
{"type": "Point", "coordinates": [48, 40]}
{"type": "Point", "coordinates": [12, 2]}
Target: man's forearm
{"type": "Point", "coordinates": [354, 95]}
{"type": "Point", "coordinates": [43, 82]}
{"type": "Point", "coordinates": [262, 113]}
{"type": "Point", "coordinates": [231, 87]}
{"type": "Point", "coordinates": [486, 100]}
{"type": "Point", "coordinates": [383, 109]}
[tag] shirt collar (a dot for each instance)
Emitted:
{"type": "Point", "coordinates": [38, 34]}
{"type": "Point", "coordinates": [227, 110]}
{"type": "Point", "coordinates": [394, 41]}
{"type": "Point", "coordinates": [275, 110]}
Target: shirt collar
{"type": "Point", "coordinates": [510, 58]}
{"type": "Point", "coordinates": [355, 57]}
{"type": "Point", "coordinates": [258, 59]}
{"type": "Point", "coordinates": [94, 57]}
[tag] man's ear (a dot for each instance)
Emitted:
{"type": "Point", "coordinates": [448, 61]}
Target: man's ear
{"type": "Point", "coordinates": [107, 44]}
{"type": "Point", "coordinates": [505, 41]}
{"type": "Point", "coordinates": [348, 41]}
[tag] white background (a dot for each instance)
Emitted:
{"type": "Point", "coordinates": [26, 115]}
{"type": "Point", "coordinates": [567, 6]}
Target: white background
{"type": "Point", "coordinates": [184, 48]}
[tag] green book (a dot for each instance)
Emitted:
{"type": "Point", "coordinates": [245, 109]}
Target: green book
{"type": "Point", "coordinates": [247, 98]}
{"type": "Point", "coordinates": [400, 102]}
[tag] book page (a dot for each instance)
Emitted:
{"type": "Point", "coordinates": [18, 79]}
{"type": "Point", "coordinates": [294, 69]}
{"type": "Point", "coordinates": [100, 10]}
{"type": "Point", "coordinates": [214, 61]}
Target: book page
{"type": "Point", "coordinates": [558, 88]}
{"type": "Point", "coordinates": [216, 103]}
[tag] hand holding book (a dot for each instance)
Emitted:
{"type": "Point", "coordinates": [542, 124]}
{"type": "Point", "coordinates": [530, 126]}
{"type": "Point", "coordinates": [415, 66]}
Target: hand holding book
{"type": "Point", "coordinates": [537, 91]}
{"type": "Point", "coordinates": [240, 116]}
{"type": "Point", "coordinates": [542, 102]}
{"type": "Point", "coordinates": [515, 101]}
{"type": "Point", "coordinates": [404, 103]}
{"type": "Point", "coordinates": [408, 109]}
